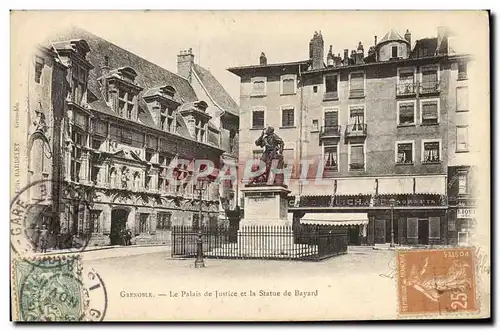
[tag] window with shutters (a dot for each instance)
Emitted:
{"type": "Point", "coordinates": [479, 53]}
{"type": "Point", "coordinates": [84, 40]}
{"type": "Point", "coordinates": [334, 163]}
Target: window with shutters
{"type": "Point", "coordinates": [406, 113]}
{"type": "Point", "coordinates": [434, 227]}
{"type": "Point", "coordinates": [330, 158]}
{"type": "Point", "coordinates": [287, 116]}
{"type": "Point", "coordinates": [405, 152]}
{"type": "Point", "coordinates": [39, 62]}
{"type": "Point", "coordinates": [357, 85]}
{"type": "Point", "coordinates": [258, 86]}
{"type": "Point", "coordinates": [330, 122]}
{"type": "Point", "coordinates": [462, 98]}
{"type": "Point", "coordinates": [288, 84]}
{"type": "Point", "coordinates": [331, 87]}
{"type": "Point", "coordinates": [429, 112]}
{"type": "Point", "coordinates": [462, 182]}
{"type": "Point", "coordinates": [258, 118]}
{"type": "Point", "coordinates": [412, 228]}
{"type": "Point", "coordinates": [462, 70]}
{"type": "Point", "coordinates": [462, 138]}
{"type": "Point", "coordinates": [431, 151]}
{"type": "Point", "coordinates": [429, 80]}
{"type": "Point", "coordinates": [356, 157]}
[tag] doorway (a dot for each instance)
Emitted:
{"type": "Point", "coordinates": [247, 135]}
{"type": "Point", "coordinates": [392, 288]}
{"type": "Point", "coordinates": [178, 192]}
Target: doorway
{"type": "Point", "coordinates": [118, 224]}
{"type": "Point", "coordinates": [354, 237]}
{"type": "Point", "coordinates": [423, 231]}
{"type": "Point", "coordinates": [380, 231]}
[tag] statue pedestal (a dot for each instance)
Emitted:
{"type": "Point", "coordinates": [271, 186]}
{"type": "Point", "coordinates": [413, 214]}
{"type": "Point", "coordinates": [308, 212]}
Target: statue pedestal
{"type": "Point", "coordinates": [265, 230]}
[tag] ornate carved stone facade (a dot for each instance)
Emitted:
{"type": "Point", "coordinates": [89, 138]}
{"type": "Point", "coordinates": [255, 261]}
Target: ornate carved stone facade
{"type": "Point", "coordinates": [124, 134]}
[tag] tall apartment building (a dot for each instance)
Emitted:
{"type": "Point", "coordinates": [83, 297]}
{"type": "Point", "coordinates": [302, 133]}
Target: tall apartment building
{"type": "Point", "coordinates": [112, 125]}
{"type": "Point", "coordinates": [375, 127]}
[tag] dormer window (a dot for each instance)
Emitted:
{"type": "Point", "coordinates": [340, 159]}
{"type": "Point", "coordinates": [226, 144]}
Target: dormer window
{"type": "Point", "coordinates": [394, 52]}
{"type": "Point", "coordinates": [79, 84]}
{"type": "Point", "coordinates": [167, 119]}
{"type": "Point", "coordinates": [200, 131]}
{"type": "Point", "coordinates": [126, 104]}
{"type": "Point", "coordinates": [123, 91]}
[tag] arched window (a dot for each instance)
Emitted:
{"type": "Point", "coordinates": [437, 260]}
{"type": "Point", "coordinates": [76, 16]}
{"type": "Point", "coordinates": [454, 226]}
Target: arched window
{"type": "Point", "coordinates": [112, 177]}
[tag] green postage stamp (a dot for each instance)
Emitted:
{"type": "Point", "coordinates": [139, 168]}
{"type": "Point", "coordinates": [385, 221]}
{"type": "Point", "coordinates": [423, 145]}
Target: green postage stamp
{"type": "Point", "coordinates": [48, 289]}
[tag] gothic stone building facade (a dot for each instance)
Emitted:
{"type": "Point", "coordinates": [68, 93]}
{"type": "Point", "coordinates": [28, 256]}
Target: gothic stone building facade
{"type": "Point", "coordinates": [376, 128]}
{"type": "Point", "coordinates": [110, 126]}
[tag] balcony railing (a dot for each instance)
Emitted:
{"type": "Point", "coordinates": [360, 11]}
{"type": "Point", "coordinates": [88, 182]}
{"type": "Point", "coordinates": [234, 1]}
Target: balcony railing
{"type": "Point", "coordinates": [429, 87]}
{"type": "Point", "coordinates": [331, 95]}
{"type": "Point", "coordinates": [355, 130]}
{"type": "Point", "coordinates": [406, 89]}
{"type": "Point", "coordinates": [330, 131]}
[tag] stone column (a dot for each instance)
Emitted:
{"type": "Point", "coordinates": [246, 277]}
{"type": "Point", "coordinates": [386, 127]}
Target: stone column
{"type": "Point", "coordinates": [67, 161]}
{"type": "Point", "coordinates": [137, 221]}
{"type": "Point", "coordinates": [84, 169]}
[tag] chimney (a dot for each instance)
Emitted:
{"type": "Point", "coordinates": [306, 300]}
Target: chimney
{"type": "Point", "coordinates": [263, 59]}
{"type": "Point", "coordinates": [442, 40]}
{"type": "Point", "coordinates": [346, 57]}
{"type": "Point", "coordinates": [360, 48]}
{"type": "Point", "coordinates": [105, 68]}
{"type": "Point", "coordinates": [408, 36]}
{"type": "Point", "coordinates": [338, 60]}
{"type": "Point", "coordinates": [353, 56]}
{"type": "Point", "coordinates": [316, 49]}
{"type": "Point", "coordinates": [329, 58]}
{"type": "Point", "coordinates": [375, 41]}
{"type": "Point", "coordinates": [185, 61]}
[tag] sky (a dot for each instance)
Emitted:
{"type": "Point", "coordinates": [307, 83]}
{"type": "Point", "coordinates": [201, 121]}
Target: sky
{"type": "Point", "coordinates": [223, 39]}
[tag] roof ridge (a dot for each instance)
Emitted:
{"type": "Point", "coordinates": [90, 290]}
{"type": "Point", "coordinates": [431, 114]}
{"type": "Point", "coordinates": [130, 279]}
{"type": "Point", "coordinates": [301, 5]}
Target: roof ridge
{"type": "Point", "coordinates": [74, 27]}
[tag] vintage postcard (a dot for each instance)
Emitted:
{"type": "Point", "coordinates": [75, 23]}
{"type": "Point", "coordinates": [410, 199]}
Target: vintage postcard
{"type": "Point", "coordinates": [249, 165]}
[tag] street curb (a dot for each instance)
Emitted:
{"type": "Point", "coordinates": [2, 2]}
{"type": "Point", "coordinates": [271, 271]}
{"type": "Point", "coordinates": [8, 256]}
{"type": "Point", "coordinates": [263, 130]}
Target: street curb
{"type": "Point", "coordinates": [99, 248]}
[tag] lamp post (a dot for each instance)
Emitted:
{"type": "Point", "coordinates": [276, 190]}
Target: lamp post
{"type": "Point", "coordinates": [201, 186]}
{"type": "Point", "coordinates": [392, 202]}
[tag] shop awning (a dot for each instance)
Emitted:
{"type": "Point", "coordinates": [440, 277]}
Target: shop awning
{"type": "Point", "coordinates": [395, 185]}
{"type": "Point", "coordinates": [430, 185]}
{"type": "Point", "coordinates": [335, 219]}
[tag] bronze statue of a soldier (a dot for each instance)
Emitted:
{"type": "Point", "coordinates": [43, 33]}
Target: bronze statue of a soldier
{"type": "Point", "coordinates": [273, 150]}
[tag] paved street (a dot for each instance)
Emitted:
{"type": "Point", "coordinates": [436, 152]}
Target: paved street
{"type": "Point", "coordinates": [342, 283]}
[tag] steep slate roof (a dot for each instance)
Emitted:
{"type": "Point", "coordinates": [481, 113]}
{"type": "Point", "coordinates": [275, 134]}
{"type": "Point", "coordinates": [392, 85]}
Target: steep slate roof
{"type": "Point", "coordinates": [215, 90]}
{"type": "Point", "coordinates": [149, 75]}
{"type": "Point", "coordinates": [392, 35]}
{"type": "Point", "coordinates": [429, 43]}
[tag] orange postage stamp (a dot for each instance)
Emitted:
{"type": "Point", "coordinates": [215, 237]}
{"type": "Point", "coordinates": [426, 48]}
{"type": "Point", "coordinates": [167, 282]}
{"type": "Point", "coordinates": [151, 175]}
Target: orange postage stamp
{"type": "Point", "coordinates": [437, 281]}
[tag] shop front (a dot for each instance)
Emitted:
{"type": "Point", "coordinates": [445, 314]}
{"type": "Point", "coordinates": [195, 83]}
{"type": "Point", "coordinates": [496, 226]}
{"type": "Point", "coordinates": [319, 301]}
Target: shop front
{"type": "Point", "coordinates": [403, 211]}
